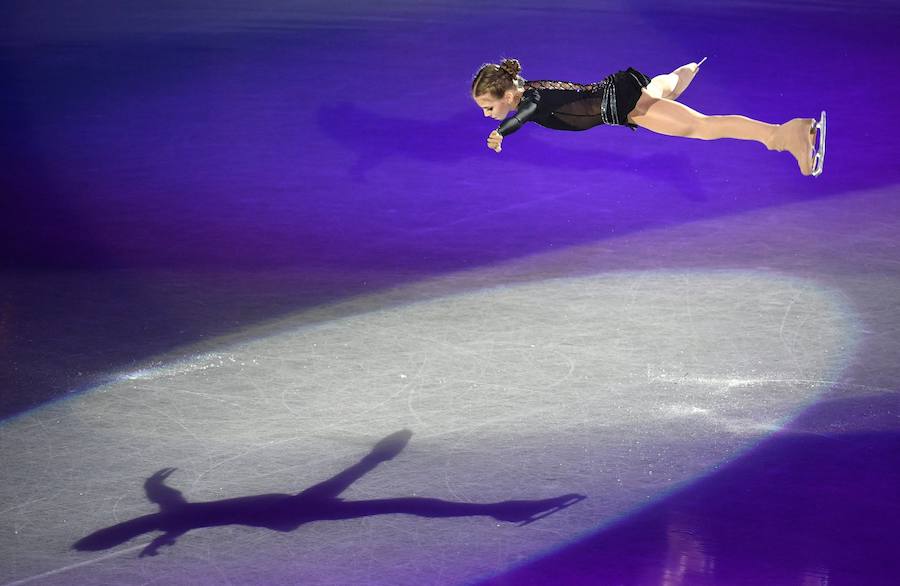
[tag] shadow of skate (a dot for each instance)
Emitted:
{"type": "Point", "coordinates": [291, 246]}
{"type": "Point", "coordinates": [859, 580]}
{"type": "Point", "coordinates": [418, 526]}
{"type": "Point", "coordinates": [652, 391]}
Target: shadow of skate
{"type": "Point", "coordinates": [286, 512]}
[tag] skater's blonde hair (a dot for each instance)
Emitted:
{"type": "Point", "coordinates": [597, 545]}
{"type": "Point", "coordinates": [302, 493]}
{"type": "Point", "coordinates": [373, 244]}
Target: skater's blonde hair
{"type": "Point", "coordinates": [496, 80]}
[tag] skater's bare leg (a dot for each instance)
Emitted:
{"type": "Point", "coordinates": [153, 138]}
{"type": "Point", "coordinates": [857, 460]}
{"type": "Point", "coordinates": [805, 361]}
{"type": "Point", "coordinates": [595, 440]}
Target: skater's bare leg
{"type": "Point", "coordinates": [665, 116]}
{"type": "Point", "coordinates": [672, 118]}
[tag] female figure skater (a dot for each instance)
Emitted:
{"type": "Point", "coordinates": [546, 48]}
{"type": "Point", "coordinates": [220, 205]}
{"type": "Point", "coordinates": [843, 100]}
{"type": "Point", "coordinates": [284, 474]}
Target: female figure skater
{"type": "Point", "coordinates": [630, 98]}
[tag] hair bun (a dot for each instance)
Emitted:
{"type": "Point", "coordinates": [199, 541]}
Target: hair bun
{"type": "Point", "coordinates": [511, 67]}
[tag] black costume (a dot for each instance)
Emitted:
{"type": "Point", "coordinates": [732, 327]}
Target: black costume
{"type": "Point", "coordinates": [564, 105]}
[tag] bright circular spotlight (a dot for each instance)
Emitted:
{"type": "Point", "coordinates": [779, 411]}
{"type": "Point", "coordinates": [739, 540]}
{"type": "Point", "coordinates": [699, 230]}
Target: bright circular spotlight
{"type": "Point", "coordinates": [618, 386]}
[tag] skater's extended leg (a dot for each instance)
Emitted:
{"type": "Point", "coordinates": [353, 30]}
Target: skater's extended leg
{"type": "Point", "coordinates": [684, 76]}
{"type": "Point", "coordinates": [386, 449]}
{"type": "Point", "coordinates": [510, 511]}
{"type": "Point", "coordinates": [675, 119]}
{"type": "Point", "coordinates": [337, 484]}
{"type": "Point", "coordinates": [665, 116]}
{"type": "Point", "coordinates": [662, 86]}
{"type": "Point", "coordinates": [672, 85]}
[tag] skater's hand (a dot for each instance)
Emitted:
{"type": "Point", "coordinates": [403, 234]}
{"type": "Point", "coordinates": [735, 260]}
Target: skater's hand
{"type": "Point", "coordinates": [494, 141]}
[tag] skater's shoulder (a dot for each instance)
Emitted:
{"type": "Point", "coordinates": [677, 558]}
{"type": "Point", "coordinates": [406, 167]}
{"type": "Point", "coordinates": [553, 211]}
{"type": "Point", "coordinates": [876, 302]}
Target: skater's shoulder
{"type": "Point", "coordinates": [531, 94]}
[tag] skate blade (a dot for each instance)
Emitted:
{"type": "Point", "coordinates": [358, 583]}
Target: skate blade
{"type": "Point", "coordinates": [819, 160]}
{"type": "Point", "coordinates": [701, 61]}
{"type": "Point", "coordinates": [556, 509]}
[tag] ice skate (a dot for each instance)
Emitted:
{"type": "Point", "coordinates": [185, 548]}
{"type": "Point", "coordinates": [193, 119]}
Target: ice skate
{"type": "Point", "coordinates": [525, 512]}
{"type": "Point", "coordinates": [819, 159]}
{"type": "Point", "coordinates": [685, 75]}
{"type": "Point", "coordinates": [389, 447]}
{"type": "Point", "coordinates": [563, 502]}
{"type": "Point", "coordinates": [796, 136]}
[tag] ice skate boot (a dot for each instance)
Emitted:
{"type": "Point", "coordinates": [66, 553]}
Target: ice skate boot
{"type": "Point", "coordinates": [684, 75]}
{"type": "Point", "coordinates": [389, 447]}
{"type": "Point", "coordinates": [525, 512]}
{"type": "Point", "coordinates": [796, 136]}
{"type": "Point", "coordinates": [560, 503]}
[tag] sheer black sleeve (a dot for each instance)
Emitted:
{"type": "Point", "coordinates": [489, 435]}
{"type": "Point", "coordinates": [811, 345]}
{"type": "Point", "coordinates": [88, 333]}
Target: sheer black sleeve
{"type": "Point", "coordinates": [527, 109]}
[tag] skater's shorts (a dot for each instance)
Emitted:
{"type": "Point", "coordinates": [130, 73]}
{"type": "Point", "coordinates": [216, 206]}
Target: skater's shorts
{"type": "Point", "coordinates": [628, 84]}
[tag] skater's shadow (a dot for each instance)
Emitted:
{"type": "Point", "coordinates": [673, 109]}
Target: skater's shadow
{"type": "Point", "coordinates": [286, 512]}
{"type": "Point", "coordinates": [456, 138]}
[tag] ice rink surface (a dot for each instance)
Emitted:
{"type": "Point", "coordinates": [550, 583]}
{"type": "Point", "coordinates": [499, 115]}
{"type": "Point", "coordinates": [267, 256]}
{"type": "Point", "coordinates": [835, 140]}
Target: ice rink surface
{"type": "Point", "coordinates": [272, 314]}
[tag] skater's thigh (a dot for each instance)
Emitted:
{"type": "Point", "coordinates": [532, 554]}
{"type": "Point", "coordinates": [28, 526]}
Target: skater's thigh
{"type": "Point", "coordinates": [665, 116]}
{"type": "Point", "coordinates": [647, 99]}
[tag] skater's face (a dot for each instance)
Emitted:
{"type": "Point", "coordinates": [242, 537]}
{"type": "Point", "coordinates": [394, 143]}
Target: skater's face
{"type": "Point", "coordinates": [497, 108]}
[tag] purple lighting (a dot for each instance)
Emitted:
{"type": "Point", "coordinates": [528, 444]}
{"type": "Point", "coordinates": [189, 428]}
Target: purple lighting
{"type": "Point", "coordinates": [252, 244]}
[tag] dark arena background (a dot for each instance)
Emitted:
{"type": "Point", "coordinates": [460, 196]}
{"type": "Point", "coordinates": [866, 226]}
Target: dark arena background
{"type": "Point", "coordinates": [272, 313]}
